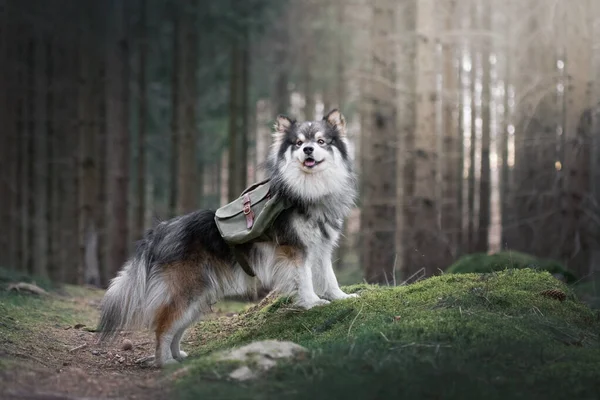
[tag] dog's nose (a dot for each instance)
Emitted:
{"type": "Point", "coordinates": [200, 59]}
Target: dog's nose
{"type": "Point", "coordinates": [308, 150]}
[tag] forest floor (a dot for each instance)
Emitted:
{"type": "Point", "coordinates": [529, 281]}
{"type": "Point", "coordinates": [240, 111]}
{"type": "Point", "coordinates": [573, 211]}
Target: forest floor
{"type": "Point", "coordinates": [518, 334]}
{"type": "Point", "coordinates": [48, 350]}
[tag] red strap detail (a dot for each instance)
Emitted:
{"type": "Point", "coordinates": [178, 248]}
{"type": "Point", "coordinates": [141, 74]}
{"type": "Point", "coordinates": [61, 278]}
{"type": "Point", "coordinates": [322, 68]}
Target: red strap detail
{"type": "Point", "coordinates": [248, 212]}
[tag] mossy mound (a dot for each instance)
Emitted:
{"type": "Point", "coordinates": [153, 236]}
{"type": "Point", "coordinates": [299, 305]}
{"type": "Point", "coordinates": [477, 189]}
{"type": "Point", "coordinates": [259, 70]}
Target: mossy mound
{"type": "Point", "coordinates": [465, 336]}
{"type": "Point", "coordinates": [485, 263]}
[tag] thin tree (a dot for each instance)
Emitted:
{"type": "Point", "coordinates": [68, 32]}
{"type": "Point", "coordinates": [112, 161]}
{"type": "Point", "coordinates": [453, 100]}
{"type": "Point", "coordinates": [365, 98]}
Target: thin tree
{"type": "Point", "coordinates": [430, 251]}
{"type": "Point", "coordinates": [378, 225]}
{"type": "Point", "coordinates": [117, 136]}
{"type": "Point", "coordinates": [41, 156]}
{"type": "Point", "coordinates": [234, 136]}
{"type": "Point", "coordinates": [142, 115]}
{"type": "Point", "coordinates": [187, 185]}
{"type": "Point", "coordinates": [482, 238]}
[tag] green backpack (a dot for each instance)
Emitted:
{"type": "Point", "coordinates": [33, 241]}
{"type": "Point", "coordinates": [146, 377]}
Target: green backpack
{"type": "Point", "coordinates": [247, 219]}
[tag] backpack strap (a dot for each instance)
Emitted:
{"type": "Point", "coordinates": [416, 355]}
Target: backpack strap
{"type": "Point", "coordinates": [240, 252]}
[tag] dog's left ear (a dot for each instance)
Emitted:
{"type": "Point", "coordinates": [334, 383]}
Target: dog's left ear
{"type": "Point", "coordinates": [337, 121]}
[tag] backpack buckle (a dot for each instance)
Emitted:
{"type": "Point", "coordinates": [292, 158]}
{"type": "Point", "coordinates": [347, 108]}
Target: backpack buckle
{"type": "Point", "coordinates": [248, 212]}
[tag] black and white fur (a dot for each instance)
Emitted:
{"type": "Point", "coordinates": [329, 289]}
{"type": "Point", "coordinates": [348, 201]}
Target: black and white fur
{"type": "Point", "coordinates": [182, 266]}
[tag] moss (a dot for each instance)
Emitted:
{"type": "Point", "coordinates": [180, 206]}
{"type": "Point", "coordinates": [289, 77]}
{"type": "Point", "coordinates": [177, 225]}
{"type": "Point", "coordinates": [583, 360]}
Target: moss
{"type": "Point", "coordinates": [472, 335]}
{"type": "Point", "coordinates": [24, 316]}
{"type": "Point", "coordinates": [485, 263]}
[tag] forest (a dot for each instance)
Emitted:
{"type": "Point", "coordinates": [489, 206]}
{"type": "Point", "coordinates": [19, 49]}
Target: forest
{"type": "Point", "coordinates": [474, 124]}
{"type": "Point", "coordinates": [475, 134]}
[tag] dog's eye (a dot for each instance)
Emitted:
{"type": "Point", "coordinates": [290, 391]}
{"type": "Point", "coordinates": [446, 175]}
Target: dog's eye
{"type": "Point", "coordinates": [321, 142]}
{"type": "Point", "coordinates": [299, 143]}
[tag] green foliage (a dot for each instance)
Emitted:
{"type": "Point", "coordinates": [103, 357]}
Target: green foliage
{"type": "Point", "coordinates": [462, 336]}
{"type": "Point", "coordinates": [483, 263]}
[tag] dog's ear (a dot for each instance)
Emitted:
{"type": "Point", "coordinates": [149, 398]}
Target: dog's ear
{"type": "Point", "coordinates": [281, 126]}
{"type": "Point", "coordinates": [336, 120]}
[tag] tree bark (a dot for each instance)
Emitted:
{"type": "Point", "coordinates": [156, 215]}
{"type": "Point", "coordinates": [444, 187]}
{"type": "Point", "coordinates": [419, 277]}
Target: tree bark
{"type": "Point", "coordinates": [378, 225]}
{"type": "Point", "coordinates": [486, 98]}
{"type": "Point", "coordinates": [175, 107]}
{"type": "Point", "coordinates": [88, 179]}
{"type": "Point", "coordinates": [6, 137]}
{"type": "Point", "coordinates": [430, 254]}
{"type": "Point", "coordinates": [140, 216]}
{"type": "Point", "coordinates": [244, 112]}
{"type": "Point", "coordinates": [452, 172]}
{"type": "Point", "coordinates": [234, 142]}
{"type": "Point", "coordinates": [40, 267]}
{"type": "Point", "coordinates": [471, 189]}
{"type": "Point", "coordinates": [27, 158]}
{"type": "Point", "coordinates": [117, 137]}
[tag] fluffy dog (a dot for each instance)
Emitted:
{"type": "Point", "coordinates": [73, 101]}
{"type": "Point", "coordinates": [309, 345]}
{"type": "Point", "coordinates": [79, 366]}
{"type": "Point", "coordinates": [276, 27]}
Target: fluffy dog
{"type": "Point", "coordinates": [183, 265]}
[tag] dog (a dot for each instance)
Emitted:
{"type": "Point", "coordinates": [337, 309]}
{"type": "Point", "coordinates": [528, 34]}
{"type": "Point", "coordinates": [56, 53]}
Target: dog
{"type": "Point", "coordinates": [183, 265]}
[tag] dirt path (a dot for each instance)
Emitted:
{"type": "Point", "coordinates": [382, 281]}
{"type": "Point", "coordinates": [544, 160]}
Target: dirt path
{"type": "Point", "coordinates": [53, 361]}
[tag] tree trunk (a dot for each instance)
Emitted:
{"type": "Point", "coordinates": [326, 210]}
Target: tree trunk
{"type": "Point", "coordinates": [404, 54]}
{"type": "Point", "coordinates": [340, 59]}
{"type": "Point", "coordinates": [88, 180]}
{"type": "Point", "coordinates": [234, 142]}
{"type": "Point", "coordinates": [54, 140]}
{"type": "Point", "coordinates": [27, 160]}
{"type": "Point", "coordinates": [72, 267]}
{"type": "Point", "coordinates": [486, 98]}
{"type": "Point", "coordinates": [140, 216]}
{"type": "Point", "coordinates": [506, 188]}
{"type": "Point", "coordinates": [431, 253]}
{"type": "Point", "coordinates": [187, 185]}
{"type": "Point", "coordinates": [452, 172]}
{"type": "Point", "coordinates": [244, 131]}
{"type": "Point", "coordinates": [471, 213]}
{"type": "Point", "coordinates": [309, 89]}
{"type": "Point", "coordinates": [6, 137]}
{"type": "Point", "coordinates": [378, 225]}
{"type": "Point", "coordinates": [100, 132]}
{"type": "Point", "coordinates": [117, 137]}
{"type": "Point", "coordinates": [40, 157]}
{"type": "Point", "coordinates": [175, 107]}
{"type": "Point", "coordinates": [578, 62]}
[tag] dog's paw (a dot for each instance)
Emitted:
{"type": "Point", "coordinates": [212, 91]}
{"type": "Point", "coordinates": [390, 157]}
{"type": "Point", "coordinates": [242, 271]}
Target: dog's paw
{"type": "Point", "coordinates": [168, 361]}
{"type": "Point", "coordinates": [307, 305]}
{"type": "Point", "coordinates": [341, 296]}
{"type": "Point", "coordinates": [182, 355]}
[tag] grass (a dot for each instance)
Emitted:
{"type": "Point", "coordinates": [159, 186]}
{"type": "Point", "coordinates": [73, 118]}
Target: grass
{"type": "Point", "coordinates": [25, 317]}
{"type": "Point", "coordinates": [453, 337]}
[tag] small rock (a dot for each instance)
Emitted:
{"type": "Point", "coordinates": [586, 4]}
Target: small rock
{"type": "Point", "coordinates": [243, 374]}
{"type": "Point", "coordinates": [127, 345]}
{"type": "Point", "coordinates": [261, 356]}
{"type": "Point", "coordinates": [95, 352]}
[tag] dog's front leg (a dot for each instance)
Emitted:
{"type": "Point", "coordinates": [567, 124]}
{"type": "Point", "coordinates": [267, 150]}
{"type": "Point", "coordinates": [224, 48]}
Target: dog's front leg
{"type": "Point", "coordinates": [306, 296]}
{"type": "Point", "coordinates": [329, 287]}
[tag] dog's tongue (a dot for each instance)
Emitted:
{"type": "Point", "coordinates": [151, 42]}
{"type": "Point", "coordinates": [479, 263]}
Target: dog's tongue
{"type": "Point", "coordinates": [310, 162]}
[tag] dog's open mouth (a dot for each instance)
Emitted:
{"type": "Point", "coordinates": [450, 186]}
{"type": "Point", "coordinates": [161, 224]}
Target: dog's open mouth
{"type": "Point", "coordinates": [310, 162]}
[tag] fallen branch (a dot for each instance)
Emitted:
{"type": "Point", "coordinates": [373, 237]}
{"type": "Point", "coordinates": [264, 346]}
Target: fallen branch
{"type": "Point", "coordinates": [78, 348]}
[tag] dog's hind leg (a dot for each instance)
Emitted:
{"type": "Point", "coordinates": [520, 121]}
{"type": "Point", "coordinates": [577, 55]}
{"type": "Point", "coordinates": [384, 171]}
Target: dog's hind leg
{"type": "Point", "coordinates": [190, 315]}
{"type": "Point", "coordinates": [166, 330]}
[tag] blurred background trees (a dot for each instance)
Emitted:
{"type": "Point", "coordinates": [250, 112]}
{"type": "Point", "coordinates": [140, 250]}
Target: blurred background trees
{"type": "Point", "coordinates": [476, 124]}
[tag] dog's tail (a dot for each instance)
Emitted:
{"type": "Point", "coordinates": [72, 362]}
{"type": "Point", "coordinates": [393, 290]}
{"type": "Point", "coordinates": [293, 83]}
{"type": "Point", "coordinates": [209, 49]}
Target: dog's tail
{"type": "Point", "coordinates": [133, 295]}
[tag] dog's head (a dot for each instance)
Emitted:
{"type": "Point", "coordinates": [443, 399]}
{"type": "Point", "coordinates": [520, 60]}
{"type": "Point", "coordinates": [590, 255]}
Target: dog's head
{"type": "Point", "coordinates": [312, 157]}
